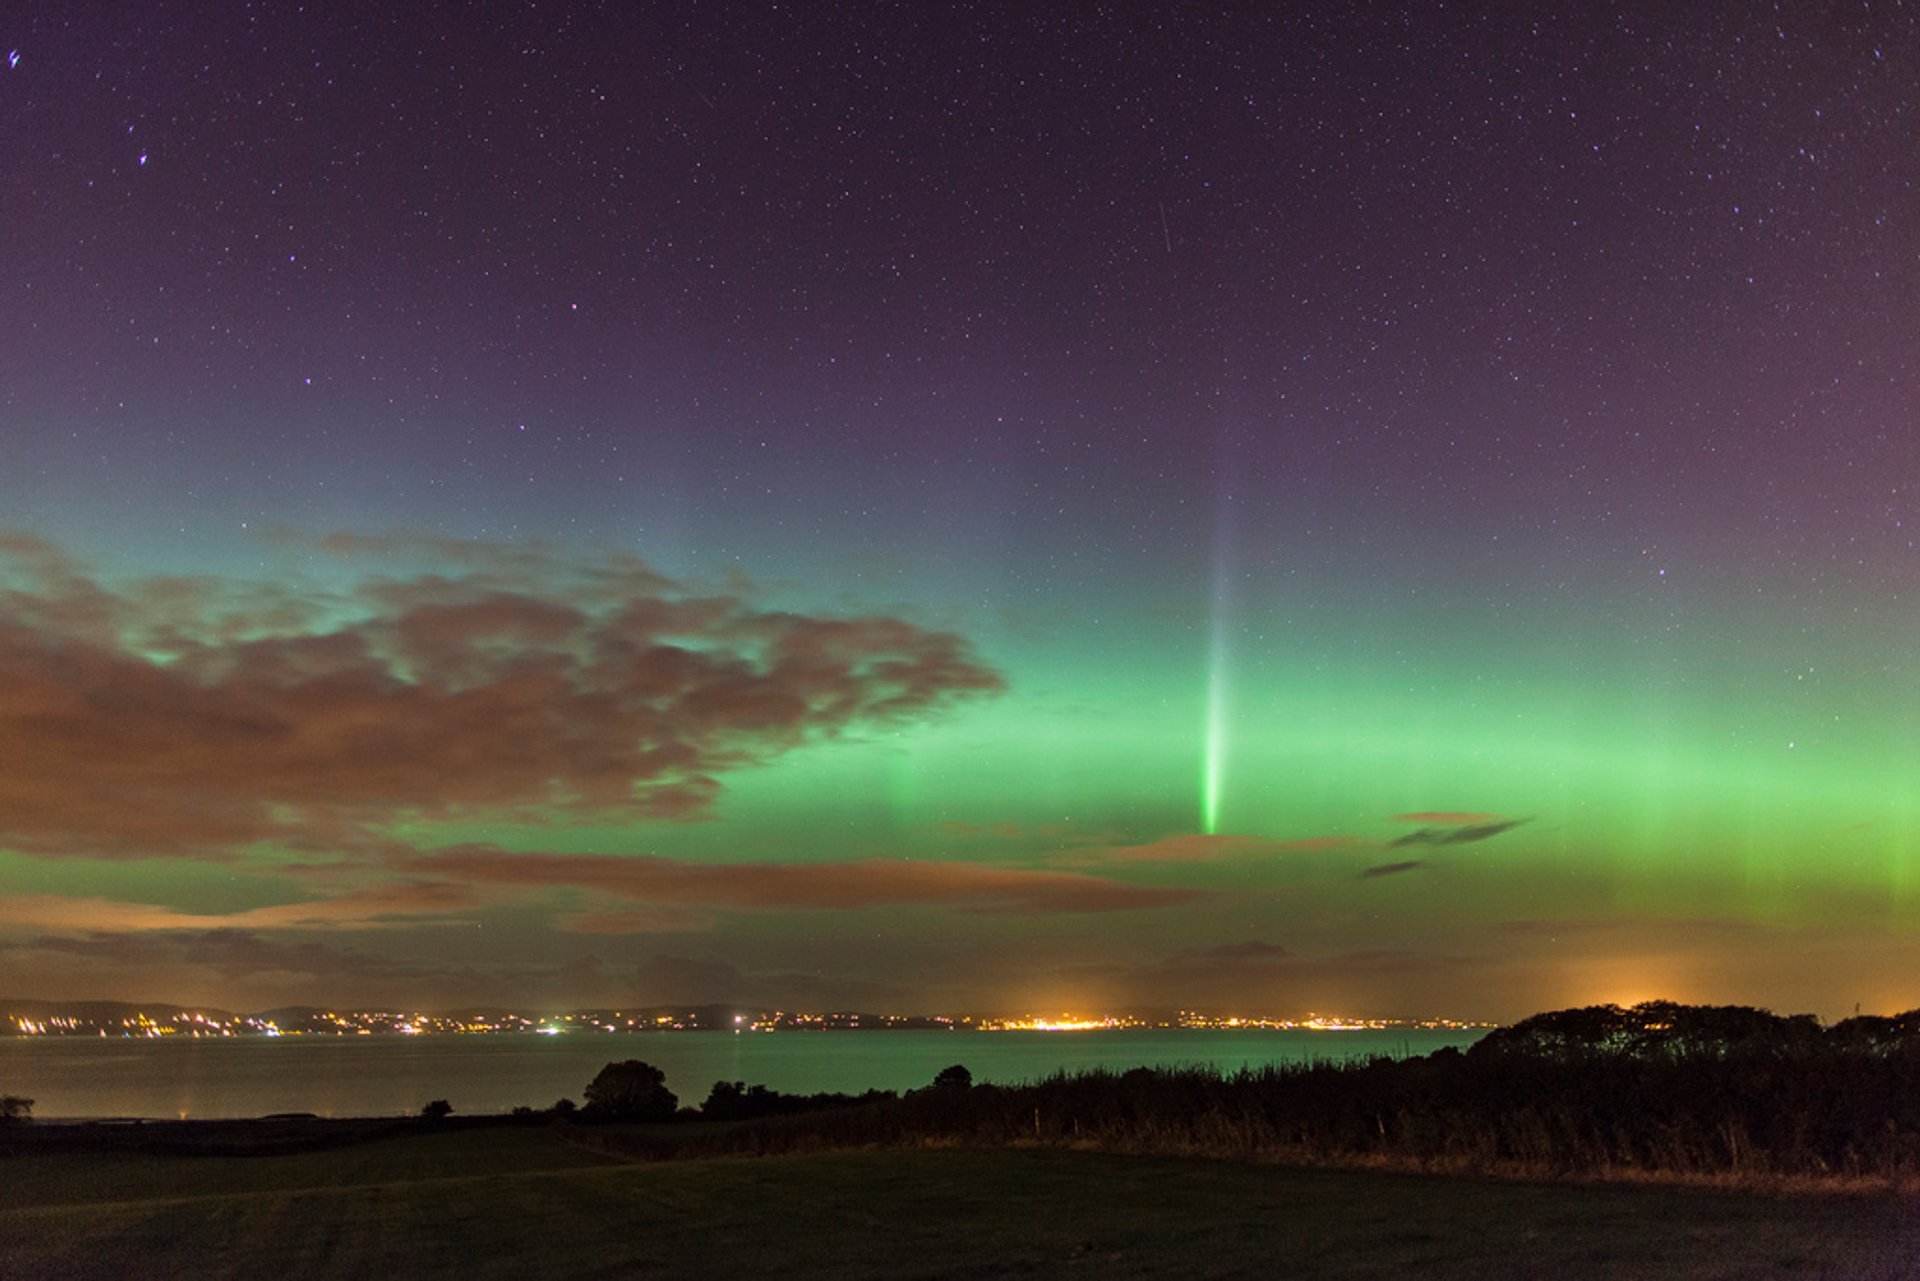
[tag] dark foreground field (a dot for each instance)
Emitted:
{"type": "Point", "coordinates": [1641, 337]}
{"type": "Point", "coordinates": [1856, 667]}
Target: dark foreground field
{"type": "Point", "coordinates": [525, 1202]}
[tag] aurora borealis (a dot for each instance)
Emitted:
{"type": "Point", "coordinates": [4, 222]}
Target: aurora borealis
{"type": "Point", "coordinates": [1391, 510]}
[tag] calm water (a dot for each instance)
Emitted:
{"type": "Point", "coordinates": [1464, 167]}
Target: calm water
{"type": "Point", "coordinates": [382, 1076]}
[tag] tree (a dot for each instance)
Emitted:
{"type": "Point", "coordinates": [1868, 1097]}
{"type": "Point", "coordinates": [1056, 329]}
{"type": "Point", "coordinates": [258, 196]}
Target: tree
{"type": "Point", "coordinates": [1883, 1034]}
{"type": "Point", "coordinates": [726, 1101]}
{"type": "Point", "coordinates": [15, 1110]}
{"type": "Point", "coordinates": [631, 1091]}
{"type": "Point", "coordinates": [438, 1110]}
{"type": "Point", "coordinates": [1652, 1030]}
{"type": "Point", "coordinates": [953, 1078]}
{"type": "Point", "coordinates": [1562, 1034]}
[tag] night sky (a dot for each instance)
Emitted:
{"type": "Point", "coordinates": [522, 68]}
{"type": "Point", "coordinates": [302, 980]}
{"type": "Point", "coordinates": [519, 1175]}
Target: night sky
{"type": "Point", "coordinates": [1382, 510]}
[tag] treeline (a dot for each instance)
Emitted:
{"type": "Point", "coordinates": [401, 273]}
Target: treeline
{"type": "Point", "coordinates": [636, 1091]}
{"type": "Point", "coordinates": [1660, 1089]}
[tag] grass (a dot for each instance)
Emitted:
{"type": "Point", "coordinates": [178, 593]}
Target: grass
{"type": "Point", "coordinates": [93, 1178]}
{"type": "Point", "coordinates": [517, 1202]}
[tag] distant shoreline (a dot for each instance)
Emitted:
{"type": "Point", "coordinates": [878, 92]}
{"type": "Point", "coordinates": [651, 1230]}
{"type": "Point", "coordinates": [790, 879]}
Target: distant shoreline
{"type": "Point", "coordinates": [157, 1020]}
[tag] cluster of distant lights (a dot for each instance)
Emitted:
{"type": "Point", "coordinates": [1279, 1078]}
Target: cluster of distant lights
{"type": "Point", "coordinates": [1193, 1020]}
{"type": "Point", "coordinates": [138, 1026]}
{"type": "Point", "coordinates": [386, 1023]}
{"type": "Point", "coordinates": [1331, 1023]}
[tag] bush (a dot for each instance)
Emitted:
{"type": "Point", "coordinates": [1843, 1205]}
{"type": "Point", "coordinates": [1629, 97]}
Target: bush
{"type": "Point", "coordinates": [15, 1110]}
{"type": "Point", "coordinates": [437, 1110]}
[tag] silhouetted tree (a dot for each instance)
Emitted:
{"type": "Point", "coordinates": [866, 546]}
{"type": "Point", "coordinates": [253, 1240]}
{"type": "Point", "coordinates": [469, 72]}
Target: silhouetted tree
{"type": "Point", "coordinates": [1561, 1034]}
{"type": "Point", "coordinates": [631, 1091]}
{"type": "Point", "coordinates": [437, 1110]}
{"type": "Point", "coordinates": [726, 1101]}
{"type": "Point", "coordinates": [1880, 1034]}
{"type": "Point", "coordinates": [1653, 1030]}
{"type": "Point", "coordinates": [953, 1078]}
{"type": "Point", "coordinates": [15, 1110]}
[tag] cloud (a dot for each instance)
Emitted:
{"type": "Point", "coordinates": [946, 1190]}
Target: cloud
{"type": "Point", "coordinates": [635, 920]}
{"type": "Point", "coordinates": [1197, 848]}
{"type": "Point", "coordinates": [200, 717]}
{"type": "Point", "coordinates": [1455, 835]}
{"type": "Point", "coordinates": [1393, 869]}
{"type": "Point", "coordinates": [401, 903]}
{"type": "Point", "coordinates": [452, 885]}
{"type": "Point", "coordinates": [759, 886]}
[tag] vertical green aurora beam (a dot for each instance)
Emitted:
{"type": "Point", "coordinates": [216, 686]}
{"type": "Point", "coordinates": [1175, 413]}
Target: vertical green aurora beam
{"type": "Point", "coordinates": [1214, 756]}
{"type": "Point", "coordinates": [1213, 761]}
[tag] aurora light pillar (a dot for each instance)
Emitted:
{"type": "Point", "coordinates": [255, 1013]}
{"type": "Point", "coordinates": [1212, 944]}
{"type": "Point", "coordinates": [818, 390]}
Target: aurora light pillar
{"type": "Point", "coordinates": [1213, 756]}
{"type": "Point", "coordinates": [1213, 762]}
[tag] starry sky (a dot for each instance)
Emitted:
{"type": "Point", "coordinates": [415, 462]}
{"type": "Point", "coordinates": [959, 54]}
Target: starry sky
{"type": "Point", "coordinates": [1382, 509]}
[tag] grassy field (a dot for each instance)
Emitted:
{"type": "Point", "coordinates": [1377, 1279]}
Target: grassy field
{"type": "Point", "coordinates": [524, 1202]}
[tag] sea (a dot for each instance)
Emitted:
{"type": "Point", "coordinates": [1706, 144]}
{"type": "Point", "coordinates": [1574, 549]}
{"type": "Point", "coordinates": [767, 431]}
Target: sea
{"type": "Point", "coordinates": [81, 1078]}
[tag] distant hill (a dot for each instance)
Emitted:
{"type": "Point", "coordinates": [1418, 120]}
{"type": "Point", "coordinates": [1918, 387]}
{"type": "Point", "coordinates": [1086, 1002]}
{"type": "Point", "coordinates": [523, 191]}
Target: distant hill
{"type": "Point", "coordinates": [291, 1015]}
{"type": "Point", "coordinates": [100, 1011]}
{"type": "Point", "coordinates": [19, 1016]}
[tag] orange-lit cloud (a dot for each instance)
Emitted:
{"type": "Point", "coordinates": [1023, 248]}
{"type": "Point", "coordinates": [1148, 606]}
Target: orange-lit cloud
{"type": "Point", "coordinates": [633, 920]}
{"type": "Point", "coordinates": [404, 903]}
{"type": "Point", "coordinates": [197, 718]}
{"type": "Point", "coordinates": [1196, 848]}
{"type": "Point", "coordinates": [851, 884]}
{"type": "Point", "coordinates": [650, 895]}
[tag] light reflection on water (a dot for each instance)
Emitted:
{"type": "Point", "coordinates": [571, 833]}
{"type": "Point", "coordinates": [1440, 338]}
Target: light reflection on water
{"type": "Point", "coordinates": [385, 1076]}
